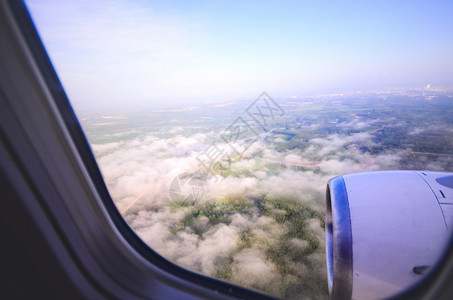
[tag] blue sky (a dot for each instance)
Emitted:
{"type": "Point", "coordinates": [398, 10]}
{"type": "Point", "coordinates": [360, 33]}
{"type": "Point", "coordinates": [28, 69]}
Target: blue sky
{"type": "Point", "coordinates": [154, 52]}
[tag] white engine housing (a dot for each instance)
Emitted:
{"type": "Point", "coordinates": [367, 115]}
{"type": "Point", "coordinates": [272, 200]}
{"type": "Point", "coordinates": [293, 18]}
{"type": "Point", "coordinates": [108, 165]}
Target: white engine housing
{"type": "Point", "coordinates": [384, 230]}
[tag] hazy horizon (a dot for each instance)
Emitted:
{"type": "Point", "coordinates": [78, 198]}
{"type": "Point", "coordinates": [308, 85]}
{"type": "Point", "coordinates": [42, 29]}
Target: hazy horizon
{"type": "Point", "coordinates": [146, 53]}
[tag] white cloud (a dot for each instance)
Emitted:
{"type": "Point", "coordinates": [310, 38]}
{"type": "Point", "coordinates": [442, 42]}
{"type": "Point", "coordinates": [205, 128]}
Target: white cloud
{"type": "Point", "coordinates": [138, 173]}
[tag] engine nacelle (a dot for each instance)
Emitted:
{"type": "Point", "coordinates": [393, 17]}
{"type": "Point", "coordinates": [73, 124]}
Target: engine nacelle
{"type": "Point", "coordinates": [384, 230]}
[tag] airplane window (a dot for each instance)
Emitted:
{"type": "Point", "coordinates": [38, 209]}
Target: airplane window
{"type": "Point", "coordinates": [217, 125]}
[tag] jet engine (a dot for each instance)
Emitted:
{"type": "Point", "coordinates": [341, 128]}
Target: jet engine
{"type": "Point", "coordinates": [384, 230]}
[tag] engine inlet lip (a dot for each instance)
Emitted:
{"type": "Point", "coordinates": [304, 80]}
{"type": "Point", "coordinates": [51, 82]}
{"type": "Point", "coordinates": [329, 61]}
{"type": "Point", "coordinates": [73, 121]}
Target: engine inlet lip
{"type": "Point", "coordinates": [329, 240]}
{"type": "Point", "coordinates": [338, 240]}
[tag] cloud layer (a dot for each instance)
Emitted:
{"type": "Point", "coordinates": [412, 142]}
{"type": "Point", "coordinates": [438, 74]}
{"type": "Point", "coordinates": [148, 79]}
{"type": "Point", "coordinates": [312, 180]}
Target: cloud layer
{"type": "Point", "coordinates": [262, 224]}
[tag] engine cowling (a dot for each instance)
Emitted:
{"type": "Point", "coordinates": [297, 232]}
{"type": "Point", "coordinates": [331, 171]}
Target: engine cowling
{"type": "Point", "coordinates": [384, 230]}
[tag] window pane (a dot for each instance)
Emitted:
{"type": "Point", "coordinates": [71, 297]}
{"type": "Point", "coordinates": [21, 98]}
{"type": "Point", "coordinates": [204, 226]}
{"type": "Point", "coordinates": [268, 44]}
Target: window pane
{"type": "Point", "coordinates": [223, 178]}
